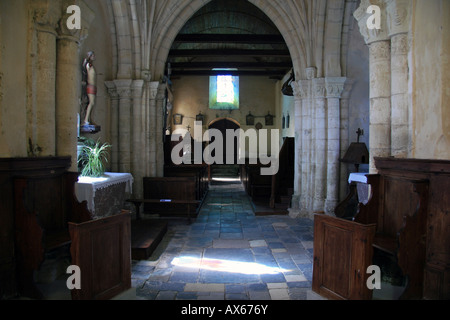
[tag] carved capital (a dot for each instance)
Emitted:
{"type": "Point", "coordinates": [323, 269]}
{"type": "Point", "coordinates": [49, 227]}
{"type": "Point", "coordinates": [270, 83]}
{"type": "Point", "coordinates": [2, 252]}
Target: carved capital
{"type": "Point", "coordinates": [398, 14]}
{"type": "Point", "coordinates": [87, 16]}
{"type": "Point", "coordinates": [319, 88]}
{"type": "Point", "coordinates": [361, 15]}
{"type": "Point", "coordinates": [46, 14]}
{"type": "Point", "coordinates": [112, 91]}
{"type": "Point", "coordinates": [335, 87]}
{"type": "Point", "coordinates": [123, 88]}
{"type": "Point", "coordinates": [154, 85]}
{"type": "Point", "coordinates": [301, 88]}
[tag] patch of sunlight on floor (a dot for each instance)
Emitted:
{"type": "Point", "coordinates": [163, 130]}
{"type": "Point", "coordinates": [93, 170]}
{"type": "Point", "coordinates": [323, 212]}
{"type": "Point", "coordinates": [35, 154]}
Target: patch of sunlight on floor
{"type": "Point", "coordinates": [226, 265]}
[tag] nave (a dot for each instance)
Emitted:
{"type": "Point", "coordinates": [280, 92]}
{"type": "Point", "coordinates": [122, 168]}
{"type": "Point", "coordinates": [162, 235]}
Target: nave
{"type": "Point", "coordinates": [229, 253]}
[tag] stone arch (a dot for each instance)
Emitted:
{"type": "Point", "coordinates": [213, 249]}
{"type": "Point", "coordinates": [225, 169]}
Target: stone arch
{"type": "Point", "coordinates": [181, 14]}
{"type": "Point", "coordinates": [123, 39]}
{"type": "Point", "coordinates": [224, 118]}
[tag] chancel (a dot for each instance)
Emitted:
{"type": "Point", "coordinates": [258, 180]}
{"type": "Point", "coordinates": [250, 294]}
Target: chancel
{"type": "Point", "coordinates": [130, 75]}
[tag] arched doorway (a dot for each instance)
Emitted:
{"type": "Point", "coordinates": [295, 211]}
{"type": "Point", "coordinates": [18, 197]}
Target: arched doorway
{"type": "Point", "coordinates": [226, 169]}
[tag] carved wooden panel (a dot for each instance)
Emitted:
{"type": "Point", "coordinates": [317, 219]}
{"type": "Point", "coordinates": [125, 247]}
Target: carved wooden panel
{"type": "Point", "coordinates": [342, 253]}
{"type": "Point", "coordinates": [102, 250]}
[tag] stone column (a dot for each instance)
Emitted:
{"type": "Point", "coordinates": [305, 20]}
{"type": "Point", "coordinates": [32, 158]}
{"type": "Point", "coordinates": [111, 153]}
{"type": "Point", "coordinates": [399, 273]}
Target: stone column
{"type": "Point", "coordinates": [397, 16]}
{"type": "Point", "coordinates": [151, 129]}
{"type": "Point", "coordinates": [345, 139]}
{"type": "Point", "coordinates": [306, 192]}
{"type": "Point", "coordinates": [68, 84]}
{"type": "Point", "coordinates": [298, 96]}
{"type": "Point", "coordinates": [320, 145]}
{"type": "Point", "coordinates": [137, 142]}
{"type": "Point", "coordinates": [380, 101]}
{"type": "Point", "coordinates": [334, 87]}
{"type": "Point", "coordinates": [380, 82]}
{"type": "Point", "coordinates": [124, 91]}
{"type": "Point", "coordinates": [160, 130]}
{"type": "Point", "coordinates": [114, 107]}
{"type": "Point", "coordinates": [46, 16]}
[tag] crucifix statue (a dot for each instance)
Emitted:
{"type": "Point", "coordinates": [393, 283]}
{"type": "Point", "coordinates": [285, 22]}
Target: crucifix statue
{"type": "Point", "coordinates": [90, 91]}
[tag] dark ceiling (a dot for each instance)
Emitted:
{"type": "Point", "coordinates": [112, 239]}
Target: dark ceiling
{"type": "Point", "coordinates": [230, 34]}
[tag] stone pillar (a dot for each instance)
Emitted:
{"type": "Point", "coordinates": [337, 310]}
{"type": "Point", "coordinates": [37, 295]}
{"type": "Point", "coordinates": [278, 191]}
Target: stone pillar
{"type": "Point", "coordinates": [114, 107]}
{"type": "Point", "coordinates": [68, 84]}
{"type": "Point", "coordinates": [160, 97]}
{"type": "Point", "coordinates": [151, 129]}
{"type": "Point", "coordinates": [345, 139]}
{"type": "Point", "coordinates": [380, 81]}
{"type": "Point", "coordinates": [380, 101]}
{"type": "Point", "coordinates": [320, 144]}
{"type": "Point", "coordinates": [298, 96]}
{"type": "Point", "coordinates": [46, 16]}
{"type": "Point", "coordinates": [397, 17]}
{"type": "Point", "coordinates": [334, 88]}
{"type": "Point", "coordinates": [124, 91]}
{"type": "Point", "coordinates": [305, 195]}
{"type": "Point", "coordinates": [137, 117]}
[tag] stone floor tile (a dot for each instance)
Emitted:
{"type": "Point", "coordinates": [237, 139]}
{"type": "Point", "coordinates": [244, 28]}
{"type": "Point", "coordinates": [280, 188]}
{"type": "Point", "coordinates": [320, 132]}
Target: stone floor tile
{"type": "Point", "coordinates": [258, 243]}
{"type": "Point", "coordinates": [279, 294]}
{"type": "Point", "coordinates": [204, 287]}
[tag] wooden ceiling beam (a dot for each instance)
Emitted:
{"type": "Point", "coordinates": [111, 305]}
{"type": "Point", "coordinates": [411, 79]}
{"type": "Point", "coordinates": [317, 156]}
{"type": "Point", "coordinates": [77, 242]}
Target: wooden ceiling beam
{"type": "Point", "coordinates": [231, 64]}
{"type": "Point", "coordinates": [228, 52]}
{"type": "Point", "coordinates": [230, 38]}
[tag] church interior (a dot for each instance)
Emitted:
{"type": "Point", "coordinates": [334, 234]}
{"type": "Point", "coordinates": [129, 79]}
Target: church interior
{"type": "Point", "coordinates": [186, 104]}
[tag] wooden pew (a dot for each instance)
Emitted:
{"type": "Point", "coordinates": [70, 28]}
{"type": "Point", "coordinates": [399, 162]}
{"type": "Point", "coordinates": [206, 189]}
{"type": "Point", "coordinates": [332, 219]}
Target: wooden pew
{"type": "Point", "coordinates": [45, 202]}
{"type": "Point", "coordinates": [101, 248]}
{"type": "Point", "coordinates": [170, 196]}
{"type": "Point", "coordinates": [409, 206]}
{"type": "Point", "coordinates": [272, 191]}
{"type": "Point", "coordinates": [199, 171]}
{"type": "Point", "coordinates": [45, 205]}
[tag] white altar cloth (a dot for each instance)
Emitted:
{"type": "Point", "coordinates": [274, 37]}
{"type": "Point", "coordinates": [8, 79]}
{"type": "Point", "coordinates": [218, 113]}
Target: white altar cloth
{"type": "Point", "coordinates": [86, 186]}
{"type": "Point", "coordinates": [358, 177]}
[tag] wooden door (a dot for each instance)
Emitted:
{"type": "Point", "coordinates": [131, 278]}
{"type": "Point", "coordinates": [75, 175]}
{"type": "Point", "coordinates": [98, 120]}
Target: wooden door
{"type": "Point", "coordinates": [223, 125]}
{"type": "Point", "coordinates": [342, 252]}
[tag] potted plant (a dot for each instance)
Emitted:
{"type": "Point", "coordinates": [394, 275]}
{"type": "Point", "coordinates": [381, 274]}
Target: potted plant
{"type": "Point", "coordinates": [92, 157]}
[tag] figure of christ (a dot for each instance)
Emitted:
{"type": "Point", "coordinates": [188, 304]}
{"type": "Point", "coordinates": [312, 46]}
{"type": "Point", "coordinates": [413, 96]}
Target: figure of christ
{"type": "Point", "coordinates": [91, 88]}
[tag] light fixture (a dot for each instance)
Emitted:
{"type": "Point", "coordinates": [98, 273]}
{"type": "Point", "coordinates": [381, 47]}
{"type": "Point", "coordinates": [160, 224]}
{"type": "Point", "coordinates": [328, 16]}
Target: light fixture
{"type": "Point", "coordinates": [200, 117]}
{"type": "Point", "coordinates": [250, 119]}
{"type": "Point", "coordinates": [269, 119]}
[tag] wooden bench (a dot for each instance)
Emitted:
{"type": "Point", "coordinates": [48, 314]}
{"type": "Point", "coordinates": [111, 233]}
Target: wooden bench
{"type": "Point", "coordinates": [165, 202]}
{"type": "Point", "coordinates": [406, 219]}
{"type": "Point", "coordinates": [101, 248]}
{"type": "Point", "coordinates": [199, 171]}
{"type": "Point", "coordinates": [44, 203]}
{"type": "Point", "coordinates": [170, 196]}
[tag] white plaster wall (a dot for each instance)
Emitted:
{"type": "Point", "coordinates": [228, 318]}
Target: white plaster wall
{"type": "Point", "coordinates": [430, 82]}
{"type": "Point", "coordinates": [13, 58]}
{"type": "Point", "coordinates": [358, 71]}
{"type": "Point", "coordinates": [99, 40]}
{"type": "Point", "coordinates": [256, 94]}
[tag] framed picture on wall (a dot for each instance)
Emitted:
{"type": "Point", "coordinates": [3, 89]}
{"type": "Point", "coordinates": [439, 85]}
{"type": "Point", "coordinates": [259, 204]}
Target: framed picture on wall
{"type": "Point", "coordinates": [177, 119]}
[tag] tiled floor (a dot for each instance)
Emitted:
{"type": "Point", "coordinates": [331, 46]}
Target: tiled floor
{"type": "Point", "coordinates": [229, 253]}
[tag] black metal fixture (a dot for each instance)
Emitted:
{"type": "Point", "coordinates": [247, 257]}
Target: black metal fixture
{"type": "Point", "coordinates": [269, 119]}
{"type": "Point", "coordinates": [250, 119]}
{"type": "Point", "coordinates": [200, 117]}
{"type": "Point", "coordinates": [357, 152]}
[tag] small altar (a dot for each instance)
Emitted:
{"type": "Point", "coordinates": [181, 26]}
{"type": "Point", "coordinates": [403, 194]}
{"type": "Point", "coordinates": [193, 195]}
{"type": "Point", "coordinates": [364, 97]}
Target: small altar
{"type": "Point", "coordinates": [105, 195]}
